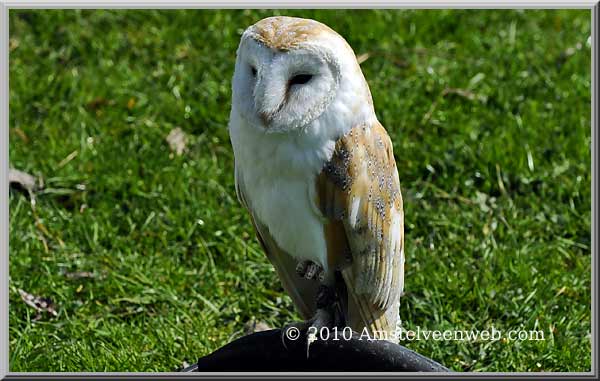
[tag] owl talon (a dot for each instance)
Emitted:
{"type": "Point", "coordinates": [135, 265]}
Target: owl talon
{"type": "Point", "coordinates": [311, 338]}
{"type": "Point", "coordinates": [323, 319]}
{"type": "Point", "coordinates": [327, 315]}
{"type": "Point", "coordinates": [301, 268]}
{"type": "Point", "coordinates": [321, 275]}
{"type": "Point", "coordinates": [310, 270]}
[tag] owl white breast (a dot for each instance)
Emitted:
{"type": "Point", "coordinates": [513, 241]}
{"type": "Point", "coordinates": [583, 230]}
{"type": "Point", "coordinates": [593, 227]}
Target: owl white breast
{"type": "Point", "coordinates": [297, 88]}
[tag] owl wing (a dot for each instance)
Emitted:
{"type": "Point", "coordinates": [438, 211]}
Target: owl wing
{"type": "Point", "coordinates": [358, 191]}
{"type": "Point", "coordinates": [302, 291]}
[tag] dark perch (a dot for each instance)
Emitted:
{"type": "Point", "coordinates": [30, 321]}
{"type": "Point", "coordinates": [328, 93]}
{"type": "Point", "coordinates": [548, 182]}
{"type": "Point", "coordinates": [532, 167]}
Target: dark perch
{"type": "Point", "coordinates": [265, 352]}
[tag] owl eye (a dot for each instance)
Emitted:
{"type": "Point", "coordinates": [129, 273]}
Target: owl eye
{"type": "Point", "coordinates": [300, 79]}
{"type": "Point", "coordinates": [253, 71]}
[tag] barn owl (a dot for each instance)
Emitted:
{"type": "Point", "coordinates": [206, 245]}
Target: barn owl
{"type": "Point", "coordinates": [316, 171]}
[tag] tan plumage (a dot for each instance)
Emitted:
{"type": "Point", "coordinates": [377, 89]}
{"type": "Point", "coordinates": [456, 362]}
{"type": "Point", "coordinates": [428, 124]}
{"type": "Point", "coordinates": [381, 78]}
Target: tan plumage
{"type": "Point", "coordinates": [287, 35]}
{"type": "Point", "coordinates": [316, 170]}
{"type": "Point", "coordinates": [359, 189]}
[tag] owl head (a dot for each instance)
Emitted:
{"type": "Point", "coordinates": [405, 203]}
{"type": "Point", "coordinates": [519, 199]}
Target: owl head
{"type": "Point", "coordinates": [289, 70]}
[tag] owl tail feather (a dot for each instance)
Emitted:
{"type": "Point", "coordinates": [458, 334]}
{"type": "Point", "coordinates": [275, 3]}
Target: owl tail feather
{"type": "Point", "coordinates": [365, 317]}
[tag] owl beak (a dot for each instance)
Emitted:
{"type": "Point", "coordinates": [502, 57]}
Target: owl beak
{"type": "Point", "coordinates": [260, 99]}
{"type": "Point", "coordinates": [259, 96]}
{"type": "Point", "coordinates": [267, 98]}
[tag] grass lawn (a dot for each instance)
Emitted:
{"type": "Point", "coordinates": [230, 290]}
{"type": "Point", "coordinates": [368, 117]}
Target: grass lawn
{"type": "Point", "coordinates": [150, 260]}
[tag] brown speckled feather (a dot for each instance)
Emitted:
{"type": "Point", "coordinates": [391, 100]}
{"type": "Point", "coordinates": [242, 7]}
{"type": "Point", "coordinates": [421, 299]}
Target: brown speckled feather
{"type": "Point", "coordinates": [359, 193]}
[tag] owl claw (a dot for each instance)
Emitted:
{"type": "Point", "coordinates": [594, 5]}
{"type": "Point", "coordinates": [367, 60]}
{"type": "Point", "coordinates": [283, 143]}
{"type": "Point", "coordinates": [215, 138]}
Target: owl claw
{"type": "Point", "coordinates": [323, 319]}
{"type": "Point", "coordinates": [327, 315]}
{"type": "Point", "coordinates": [307, 330]}
{"type": "Point", "coordinates": [301, 268]}
{"type": "Point", "coordinates": [310, 270]}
